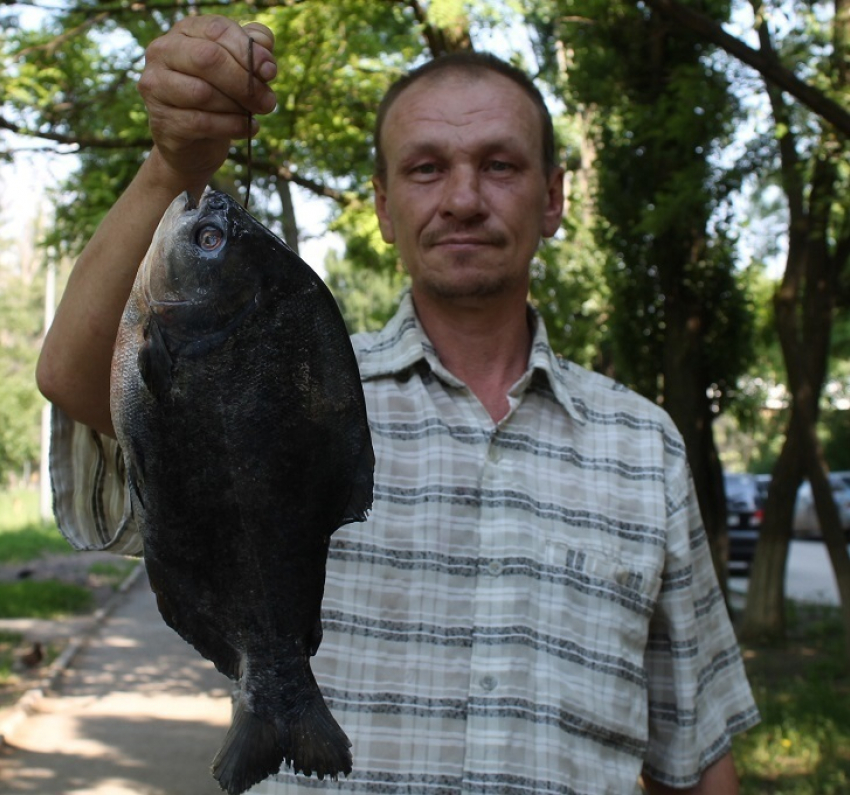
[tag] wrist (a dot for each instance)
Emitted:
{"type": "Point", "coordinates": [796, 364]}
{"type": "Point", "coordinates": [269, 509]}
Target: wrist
{"type": "Point", "coordinates": [160, 176]}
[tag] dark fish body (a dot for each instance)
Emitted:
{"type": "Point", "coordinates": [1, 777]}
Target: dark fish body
{"type": "Point", "coordinates": [237, 402]}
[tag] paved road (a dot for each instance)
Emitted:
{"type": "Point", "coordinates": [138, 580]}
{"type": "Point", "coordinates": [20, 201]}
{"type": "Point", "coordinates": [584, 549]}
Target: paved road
{"type": "Point", "coordinates": [138, 711]}
{"type": "Point", "coordinates": [808, 575]}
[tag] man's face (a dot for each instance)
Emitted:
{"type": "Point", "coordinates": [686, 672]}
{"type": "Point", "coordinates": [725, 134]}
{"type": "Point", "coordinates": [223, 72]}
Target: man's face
{"type": "Point", "coordinates": [466, 198]}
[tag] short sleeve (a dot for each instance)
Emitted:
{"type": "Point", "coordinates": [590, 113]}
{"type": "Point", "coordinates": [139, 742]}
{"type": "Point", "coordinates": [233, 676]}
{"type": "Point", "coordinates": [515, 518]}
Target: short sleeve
{"type": "Point", "coordinates": [699, 696]}
{"type": "Point", "coordinates": [91, 501]}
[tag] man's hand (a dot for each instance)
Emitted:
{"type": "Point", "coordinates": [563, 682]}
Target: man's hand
{"type": "Point", "coordinates": [198, 93]}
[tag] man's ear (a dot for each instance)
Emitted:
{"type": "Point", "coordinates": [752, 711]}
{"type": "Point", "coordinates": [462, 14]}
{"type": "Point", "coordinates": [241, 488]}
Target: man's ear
{"type": "Point", "coordinates": [384, 221]}
{"type": "Point", "coordinates": [554, 210]}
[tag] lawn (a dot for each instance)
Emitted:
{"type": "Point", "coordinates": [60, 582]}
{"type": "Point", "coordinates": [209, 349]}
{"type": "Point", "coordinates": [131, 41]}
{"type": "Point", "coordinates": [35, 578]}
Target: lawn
{"type": "Point", "coordinates": [802, 746]}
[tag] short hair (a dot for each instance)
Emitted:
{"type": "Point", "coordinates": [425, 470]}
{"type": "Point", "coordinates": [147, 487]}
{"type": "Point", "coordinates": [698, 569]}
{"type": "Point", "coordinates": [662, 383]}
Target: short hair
{"type": "Point", "coordinates": [471, 63]}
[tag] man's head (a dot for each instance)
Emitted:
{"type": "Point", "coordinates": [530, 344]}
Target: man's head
{"type": "Point", "coordinates": [471, 64]}
{"type": "Point", "coordinates": [468, 186]}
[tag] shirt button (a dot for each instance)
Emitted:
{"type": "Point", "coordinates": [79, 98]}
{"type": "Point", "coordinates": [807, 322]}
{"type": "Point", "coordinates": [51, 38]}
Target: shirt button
{"type": "Point", "coordinates": [494, 455]}
{"type": "Point", "coordinates": [488, 682]}
{"type": "Point", "coordinates": [494, 568]}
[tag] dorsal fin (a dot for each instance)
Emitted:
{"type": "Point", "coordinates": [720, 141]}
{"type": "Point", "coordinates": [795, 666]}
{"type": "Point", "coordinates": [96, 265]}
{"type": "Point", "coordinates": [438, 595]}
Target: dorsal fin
{"type": "Point", "coordinates": [360, 500]}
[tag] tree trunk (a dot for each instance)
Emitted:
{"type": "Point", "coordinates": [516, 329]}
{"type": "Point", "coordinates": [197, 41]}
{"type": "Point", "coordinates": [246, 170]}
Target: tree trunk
{"type": "Point", "coordinates": [764, 615]}
{"type": "Point", "coordinates": [288, 221]}
{"type": "Point", "coordinates": [686, 401]}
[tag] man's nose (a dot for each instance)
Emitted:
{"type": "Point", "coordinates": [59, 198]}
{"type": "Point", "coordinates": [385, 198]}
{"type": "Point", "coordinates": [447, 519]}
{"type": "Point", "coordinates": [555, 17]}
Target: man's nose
{"type": "Point", "coordinates": [462, 198]}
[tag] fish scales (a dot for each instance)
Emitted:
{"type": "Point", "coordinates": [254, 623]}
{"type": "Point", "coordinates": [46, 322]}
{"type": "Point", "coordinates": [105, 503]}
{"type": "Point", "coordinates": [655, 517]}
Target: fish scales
{"type": "Point", "coordinates": [237, 402]}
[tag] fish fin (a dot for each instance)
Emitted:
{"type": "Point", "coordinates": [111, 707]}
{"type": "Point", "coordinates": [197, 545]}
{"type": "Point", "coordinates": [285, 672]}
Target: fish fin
{"type": "Point", "coordinates": [206, 639]}
{"type": "Point", "coordinates": [316, 637]}
{"type": "Point", "coordinates": [360, 500]}
{"type": "Point", "coordinates": [314, 742]}
{"type": "Point", "coordinates": [133, 480]}
{"type": "Point", "coordinates": [251, 751]}
{"type": "Point", "coordinates": [154, 360]}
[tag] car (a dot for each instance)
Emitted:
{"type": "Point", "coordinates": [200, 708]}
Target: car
{"type": "Point", "coordinates": [806, 523]}
{"type": "Point", "coordinates": [843, 475]}
{"type": "Point", "coordinates": [744, 512]}
{"type": "Point", "coordinates": [762, 485]}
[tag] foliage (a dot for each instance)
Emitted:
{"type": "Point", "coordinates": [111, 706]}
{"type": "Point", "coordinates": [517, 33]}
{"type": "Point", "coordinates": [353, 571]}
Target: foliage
{"type": "Point", "coordinates": [21, 299]}
{"type": "Point", "coordinates": [367, 298]}
{"type": "Point", "coordinates": [835, 430]}
{"type": "Point", "coordinates": [661, 110]}
{"type": "Point", "coordinates": [572, 297]}
{"type": "Point", "coordinates": [74, 79]}
{"type": "Point", "coordinates": [802, 745]}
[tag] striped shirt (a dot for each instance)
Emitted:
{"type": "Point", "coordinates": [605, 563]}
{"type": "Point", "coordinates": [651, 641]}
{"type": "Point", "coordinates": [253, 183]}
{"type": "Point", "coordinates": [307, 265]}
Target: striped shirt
{"type": "Point", "coordinates": [531, 606]}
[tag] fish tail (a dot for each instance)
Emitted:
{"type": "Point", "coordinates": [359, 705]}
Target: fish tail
{"type": "Point", "coordinates": [251, 751]}
{"type": "Point", "coordinates": [254, 749]}
{"type": "Point", "coordinates": [315, 742]}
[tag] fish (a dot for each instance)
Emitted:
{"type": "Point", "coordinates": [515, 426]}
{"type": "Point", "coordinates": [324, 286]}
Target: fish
{"type": "Point", "coordinates": [237, 402]}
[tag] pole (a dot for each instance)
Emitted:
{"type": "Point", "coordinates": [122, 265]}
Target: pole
{"type": "Point", "coordinates": [46, 497]}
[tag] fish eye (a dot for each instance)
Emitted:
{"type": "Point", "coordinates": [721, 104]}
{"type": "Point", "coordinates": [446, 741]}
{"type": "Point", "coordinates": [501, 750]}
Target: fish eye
{"type": "Point", "coordinates": [209, 238]}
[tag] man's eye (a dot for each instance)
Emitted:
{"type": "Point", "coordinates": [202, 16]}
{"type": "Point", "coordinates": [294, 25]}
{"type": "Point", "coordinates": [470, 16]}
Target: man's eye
{"type": "Point", "coordinates": [424, 168]}
{"type": "Point", "coordinates": [209, 238]}
{"type": "Point", "coordinates": [499, 165]}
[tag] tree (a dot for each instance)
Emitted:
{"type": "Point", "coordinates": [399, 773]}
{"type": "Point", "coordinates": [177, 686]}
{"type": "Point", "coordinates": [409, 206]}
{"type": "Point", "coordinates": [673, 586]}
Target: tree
{"type": "Point", "coordinates": [679, 320]}
{"type": "Point", "coordinates": [812, 168]}
{"type": "Point", "coordinates": [21, 313]}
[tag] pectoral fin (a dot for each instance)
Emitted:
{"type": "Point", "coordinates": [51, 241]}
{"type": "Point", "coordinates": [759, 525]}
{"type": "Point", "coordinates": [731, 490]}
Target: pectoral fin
{"type": "Point", "coordinates": [155, 362]}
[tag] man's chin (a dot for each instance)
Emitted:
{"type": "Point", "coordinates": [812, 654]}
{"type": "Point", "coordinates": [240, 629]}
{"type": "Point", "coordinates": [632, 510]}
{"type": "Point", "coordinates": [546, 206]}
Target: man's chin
{"type": "Point", "coordinates": [468, 289]}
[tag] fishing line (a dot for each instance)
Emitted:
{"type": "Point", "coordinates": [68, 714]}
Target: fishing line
{"type": "Point", "coordinates": [249, 168]}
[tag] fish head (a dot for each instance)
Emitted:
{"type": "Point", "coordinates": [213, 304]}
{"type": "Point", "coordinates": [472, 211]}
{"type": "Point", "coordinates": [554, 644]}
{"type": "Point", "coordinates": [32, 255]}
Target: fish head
{"type": "Point", "coordinates": [207, 256]}
{"type": "Point", "coordinates": [209, 267]}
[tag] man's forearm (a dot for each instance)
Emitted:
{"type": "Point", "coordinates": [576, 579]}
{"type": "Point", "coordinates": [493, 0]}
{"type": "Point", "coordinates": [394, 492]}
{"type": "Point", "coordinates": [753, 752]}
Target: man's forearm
{"type": "Point", "coordinates": [73, 369]}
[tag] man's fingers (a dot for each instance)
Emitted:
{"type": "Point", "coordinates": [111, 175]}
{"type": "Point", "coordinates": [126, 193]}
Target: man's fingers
{"type": "Point", "coordinates": [260, 34]}
{"type": "Point", "coordinates": [189, 125]}
{"type": "Point", "coordinates": [234, 38]}
{"type": "Point", "coordinates": [213, 50]}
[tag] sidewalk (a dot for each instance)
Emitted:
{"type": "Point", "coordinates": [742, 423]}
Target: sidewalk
{"type": "Point", "coordinates": [137, 711]}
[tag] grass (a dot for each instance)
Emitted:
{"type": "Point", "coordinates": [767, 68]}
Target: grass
{"type": "Point", "coordinates": [9, 641]}
{"type": "Point", "coordinates": [23, 535]}
{"type": "Point", "coordinates": [12, 681]}
{"type": "Point", "coordinates": [112, 574]}
{"type": "Point", "coordinates": [802, 746]}
{"type": "Point", "coordinates": [43, 599]}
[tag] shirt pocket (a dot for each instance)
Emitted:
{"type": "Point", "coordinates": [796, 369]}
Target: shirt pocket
{"type": "Point", "coordinates": [602, 594]}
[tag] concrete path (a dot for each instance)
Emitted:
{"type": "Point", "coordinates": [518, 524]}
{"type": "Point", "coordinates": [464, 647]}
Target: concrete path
{"type": "Point", "coordinates": [137, 711]}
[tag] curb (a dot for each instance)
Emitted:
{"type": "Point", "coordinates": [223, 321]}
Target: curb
{"type": "Point", "coordinates": [31, 698]}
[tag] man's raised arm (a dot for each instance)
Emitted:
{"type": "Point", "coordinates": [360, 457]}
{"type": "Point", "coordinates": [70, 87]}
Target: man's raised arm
{"type": "Point", "coordinates": [195, 87]}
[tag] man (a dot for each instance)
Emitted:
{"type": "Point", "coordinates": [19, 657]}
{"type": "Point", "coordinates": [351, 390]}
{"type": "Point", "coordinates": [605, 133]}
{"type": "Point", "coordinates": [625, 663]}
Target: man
{"type": "Point", "coordinates": [531, 606]}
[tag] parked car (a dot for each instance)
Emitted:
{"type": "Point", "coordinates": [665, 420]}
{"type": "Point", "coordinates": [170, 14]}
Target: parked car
{"type": "Point", "coordinates": [762, 485]}
{"type": "Point", "coordinates": [744, 512]}
{"type": "Point", "coordinates": [844, 475]}
{"type": "Point", "coordinates": [806, 524]}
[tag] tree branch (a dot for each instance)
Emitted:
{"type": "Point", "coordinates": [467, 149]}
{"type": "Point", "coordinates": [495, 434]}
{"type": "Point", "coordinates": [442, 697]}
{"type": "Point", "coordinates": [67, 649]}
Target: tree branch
{"type": "Point", "coordinates": [769, 67]}
{"type": "Point", "coordinates": [79, 142]}
{"type": "Point", "coordinates": [284, 172]}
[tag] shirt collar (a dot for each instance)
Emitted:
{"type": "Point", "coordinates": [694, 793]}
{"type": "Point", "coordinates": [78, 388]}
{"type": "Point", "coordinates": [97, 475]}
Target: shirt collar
{"type": "Point", "coordinates": [402, 344]}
